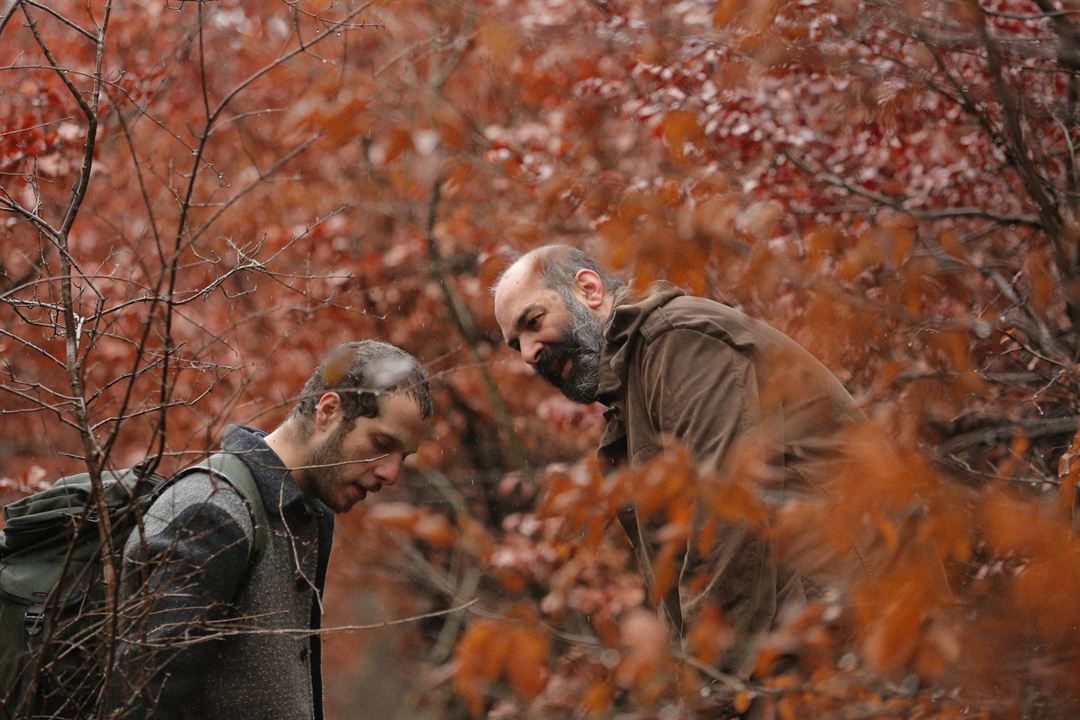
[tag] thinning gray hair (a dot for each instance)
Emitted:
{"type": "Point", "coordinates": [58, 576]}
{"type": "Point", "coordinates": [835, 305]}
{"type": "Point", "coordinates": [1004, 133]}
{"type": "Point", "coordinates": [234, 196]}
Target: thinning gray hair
{"type": "Point", "coordinates": [559, 264]}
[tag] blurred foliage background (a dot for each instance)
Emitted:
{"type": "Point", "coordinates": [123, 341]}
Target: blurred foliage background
{"type": "Point", "coordinates": [199, 198]}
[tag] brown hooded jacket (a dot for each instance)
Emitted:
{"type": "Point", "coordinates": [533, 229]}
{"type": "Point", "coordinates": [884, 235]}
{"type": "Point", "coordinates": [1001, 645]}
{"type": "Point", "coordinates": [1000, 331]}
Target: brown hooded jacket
{"type": "Point", "coordinates": [749, 404]}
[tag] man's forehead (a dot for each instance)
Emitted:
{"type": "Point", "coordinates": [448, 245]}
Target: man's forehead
{"type": "Point", "coordinates": [518, 288]}
{"type": "Point", "coordinates": [400, 418]}
{"type": "Point", "coordinates": [521, 273]}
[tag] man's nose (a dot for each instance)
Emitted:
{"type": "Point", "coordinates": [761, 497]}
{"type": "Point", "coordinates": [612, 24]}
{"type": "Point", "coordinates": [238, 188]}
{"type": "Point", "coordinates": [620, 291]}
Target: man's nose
{"type": "Point", "coordinates": [389, 469]}
{"type": "Point", "coordinates": [530, 351]}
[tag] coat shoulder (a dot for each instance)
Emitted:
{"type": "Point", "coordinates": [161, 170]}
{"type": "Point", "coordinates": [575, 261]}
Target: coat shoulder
{"type": "Point", "coordinates": [708, 317]}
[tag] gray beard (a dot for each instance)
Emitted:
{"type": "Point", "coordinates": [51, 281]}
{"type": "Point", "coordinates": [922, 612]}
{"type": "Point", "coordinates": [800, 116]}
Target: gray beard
{"type": "Point", "coordinates": [582, 344]}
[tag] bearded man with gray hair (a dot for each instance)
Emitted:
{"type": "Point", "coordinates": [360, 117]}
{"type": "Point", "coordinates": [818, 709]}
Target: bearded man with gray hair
{"type": "Point", "coordinates": [670, 366]}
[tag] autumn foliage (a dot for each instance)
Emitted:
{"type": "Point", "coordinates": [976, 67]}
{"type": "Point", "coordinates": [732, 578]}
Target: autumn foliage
{"type": "Point", "coordinates": [200, 197]}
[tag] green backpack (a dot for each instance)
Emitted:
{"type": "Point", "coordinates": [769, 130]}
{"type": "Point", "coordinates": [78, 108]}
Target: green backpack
{"type": "Point", "coordinates": [52, 592]}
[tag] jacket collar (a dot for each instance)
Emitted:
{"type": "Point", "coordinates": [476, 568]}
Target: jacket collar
{"type": "Point", "coordinates": [631, 311]}
{"type": "Point", "coordinates": [275, 482]}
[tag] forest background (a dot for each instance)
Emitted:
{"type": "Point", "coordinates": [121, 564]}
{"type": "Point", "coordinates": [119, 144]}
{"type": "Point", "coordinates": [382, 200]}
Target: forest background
{"type": "Point", "coordinates": [199, 198]}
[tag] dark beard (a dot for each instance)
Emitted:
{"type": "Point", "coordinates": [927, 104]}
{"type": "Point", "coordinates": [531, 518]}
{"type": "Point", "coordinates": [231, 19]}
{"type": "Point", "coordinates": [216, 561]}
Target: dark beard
{"type": "Point", "coordinates": [581, 348]}
{"type": "Point", "coordinates": [321, 481]}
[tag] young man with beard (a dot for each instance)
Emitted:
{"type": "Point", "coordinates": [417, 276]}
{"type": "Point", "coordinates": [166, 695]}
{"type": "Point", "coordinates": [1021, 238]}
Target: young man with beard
{"type": "Point", "coordinates": [739, 395]}
{"type": "Point", "coordinates": [215, 632]}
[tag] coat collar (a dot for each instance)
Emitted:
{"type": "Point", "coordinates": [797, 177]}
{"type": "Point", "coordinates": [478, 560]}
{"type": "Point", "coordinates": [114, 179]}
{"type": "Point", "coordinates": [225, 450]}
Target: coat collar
{"type": "Point", "coordinates": [275, 482]}
{"type": "Point", "coordinates": [631, 311]}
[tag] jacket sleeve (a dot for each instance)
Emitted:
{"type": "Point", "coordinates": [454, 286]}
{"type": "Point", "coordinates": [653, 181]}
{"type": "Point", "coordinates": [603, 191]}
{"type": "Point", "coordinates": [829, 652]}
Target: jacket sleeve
{"type": "Point", "coordinates": [181, 571]}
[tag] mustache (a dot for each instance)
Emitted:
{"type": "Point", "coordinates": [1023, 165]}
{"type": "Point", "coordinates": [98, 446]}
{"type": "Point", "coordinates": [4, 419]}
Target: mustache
{"type": "Point", "coordinates": [551, 359]}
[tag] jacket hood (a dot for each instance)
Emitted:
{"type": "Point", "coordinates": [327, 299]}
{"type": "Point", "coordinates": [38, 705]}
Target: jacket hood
{"type": "Point", "coordinates": [631, 311]}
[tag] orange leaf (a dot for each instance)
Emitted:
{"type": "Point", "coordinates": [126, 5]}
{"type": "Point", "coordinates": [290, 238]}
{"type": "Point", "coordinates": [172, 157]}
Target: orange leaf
{"type": "Point", "coordinates": [435, 529]}
{"type": "Point", "coordinates": [499, 39]}
{"type": "Point", "coordinates": [899, 238]}
{"type": "Point", "coordinates": [726, 11]}
{"type": "Point", "coordinates": [742, 702]}
{"type": "Point", "coordinates": [709, 635]}
{"type": "Point", "coordinates": [950, 243]}
{"type": "Point", "coordinates": [598, 697]}
{"type": "Point", "coordinates": [620, 240]}
{"type": "Point", "coordinates": [526, 666]}
{"type": "Point", "coordinates": [401, 516]}
{"type": "Point", "coordinates": [1037, 269]}
{"type": "Point", "coordinates": [479, 660]}
{"type": "Point", "coordinates": [399, 141]}
{"type": "Point", "coordinates": [681, 128]}
{"type": "Point", "coordinates": [665, 571]}
{"type": "Point", "coordinates": [865, 254]}
{"type": "Point", "coordinates": [822, 243]}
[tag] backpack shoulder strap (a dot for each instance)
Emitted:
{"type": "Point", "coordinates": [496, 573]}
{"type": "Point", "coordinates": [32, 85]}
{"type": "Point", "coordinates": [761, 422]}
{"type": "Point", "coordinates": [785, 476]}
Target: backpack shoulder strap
{"type": "Point", "coordinates": [228, 467]}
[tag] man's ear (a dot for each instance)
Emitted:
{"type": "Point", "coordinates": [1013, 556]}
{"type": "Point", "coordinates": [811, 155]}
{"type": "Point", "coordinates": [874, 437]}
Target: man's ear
{"type": "Point", "coordinates": [591, 287]}
{"type": "Point", "coordinates": [327, 410]}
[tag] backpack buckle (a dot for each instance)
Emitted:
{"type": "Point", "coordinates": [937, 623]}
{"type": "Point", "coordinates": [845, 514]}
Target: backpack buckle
{"type": "Point", "coordinates": [35, 614]}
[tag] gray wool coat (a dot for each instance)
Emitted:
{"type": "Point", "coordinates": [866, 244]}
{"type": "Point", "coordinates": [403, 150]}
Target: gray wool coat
{"type": "Point", "coordinates": [207, 634]}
